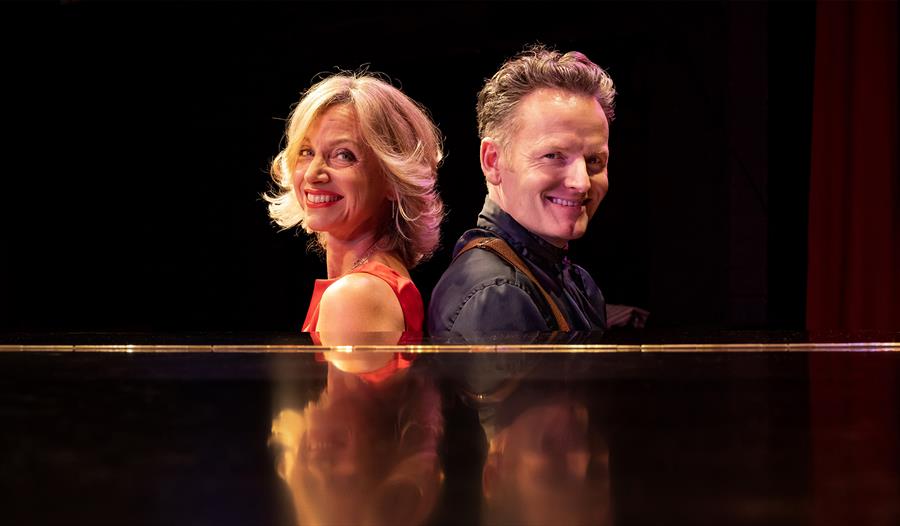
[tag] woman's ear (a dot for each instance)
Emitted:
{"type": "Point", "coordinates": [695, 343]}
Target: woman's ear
{"type": "Point", "coordinates": [490, 475]}
{"type": "Point", "coordinates": [390, 190]}
{"type": "Point", "coordinates": [490, 160]}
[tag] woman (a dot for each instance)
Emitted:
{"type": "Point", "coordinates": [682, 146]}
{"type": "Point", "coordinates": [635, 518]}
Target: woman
{"type": "Point", "coordinates": [359, 171]}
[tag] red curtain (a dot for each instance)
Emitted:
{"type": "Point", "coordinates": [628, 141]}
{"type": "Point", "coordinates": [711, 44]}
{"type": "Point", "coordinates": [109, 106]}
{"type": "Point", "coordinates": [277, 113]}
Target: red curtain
{"type": "Point", "coordinates": [853, 280]}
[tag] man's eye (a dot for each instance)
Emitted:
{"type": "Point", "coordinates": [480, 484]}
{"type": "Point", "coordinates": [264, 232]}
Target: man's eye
{"type": "Point", "coordinates": [597, 162]}
{"type": "Point", "coordinates": [553, 155]}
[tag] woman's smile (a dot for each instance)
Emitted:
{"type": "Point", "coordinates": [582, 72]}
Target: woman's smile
{"type": "Point", "coordinates": [321, 198]}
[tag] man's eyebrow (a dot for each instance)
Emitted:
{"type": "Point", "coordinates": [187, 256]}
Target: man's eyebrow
{"type": "Point", "coordinates": [561, 144]}
{"type": "Point", "coordinates": [553, 142]}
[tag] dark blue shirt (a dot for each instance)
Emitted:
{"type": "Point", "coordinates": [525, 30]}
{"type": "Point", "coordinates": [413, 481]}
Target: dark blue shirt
{"type": "Point", "coordinates": [481, 293]}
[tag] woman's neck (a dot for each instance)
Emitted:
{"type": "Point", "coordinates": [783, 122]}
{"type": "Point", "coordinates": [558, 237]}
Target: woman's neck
{"type": "Point", "coordinates": [342, 256]}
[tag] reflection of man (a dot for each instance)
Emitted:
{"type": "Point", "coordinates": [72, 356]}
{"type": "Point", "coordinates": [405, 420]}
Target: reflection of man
{"type": "Point", "coordinates": [547, 464]}
{"type": "Point", "coordinates": [544, 125]}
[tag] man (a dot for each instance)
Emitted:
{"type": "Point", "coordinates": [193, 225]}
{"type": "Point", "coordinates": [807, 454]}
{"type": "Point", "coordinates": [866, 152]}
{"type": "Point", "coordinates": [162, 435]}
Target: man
{"type": "Point", "coordinates": [543, 119]}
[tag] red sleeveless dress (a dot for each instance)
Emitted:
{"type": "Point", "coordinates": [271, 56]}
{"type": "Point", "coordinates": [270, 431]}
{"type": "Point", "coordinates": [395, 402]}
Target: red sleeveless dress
{"type": "Point", "coordinates": [407, 293]}
{"type": "Point", "coordinates": [410, 303]}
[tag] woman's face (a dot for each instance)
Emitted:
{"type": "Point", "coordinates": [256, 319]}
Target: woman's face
{"type": "Point", "coordinates": [337, 178]}
{"type": "Point", "coordinates": [340, 461]}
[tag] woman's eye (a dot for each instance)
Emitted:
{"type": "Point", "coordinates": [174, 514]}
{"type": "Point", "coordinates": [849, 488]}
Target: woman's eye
{"type": "Point", "coordinates": [305, 152]}
{"type": "Point", "coordinates": [345, 156]}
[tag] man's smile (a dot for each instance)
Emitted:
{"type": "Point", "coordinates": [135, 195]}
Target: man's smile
{"type": "Point", "coordinates": [566, 202]}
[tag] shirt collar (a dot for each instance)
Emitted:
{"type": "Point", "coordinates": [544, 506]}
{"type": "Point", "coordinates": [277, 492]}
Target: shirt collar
{"type": "Point", "coordinates": [529, 245]}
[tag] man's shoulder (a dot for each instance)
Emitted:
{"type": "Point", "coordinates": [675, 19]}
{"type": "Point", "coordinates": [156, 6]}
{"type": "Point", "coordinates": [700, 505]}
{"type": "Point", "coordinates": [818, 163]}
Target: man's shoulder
{"type": "Point", "coordinates": [481, 278]}
{"type": "Point", "coordinates": [477, 267]}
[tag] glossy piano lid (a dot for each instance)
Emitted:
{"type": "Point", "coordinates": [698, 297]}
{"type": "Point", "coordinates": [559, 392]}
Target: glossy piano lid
{"type": "Point", "coordinates": [615, 340]}
{"type": "Point", "coordinates": [195, 435]}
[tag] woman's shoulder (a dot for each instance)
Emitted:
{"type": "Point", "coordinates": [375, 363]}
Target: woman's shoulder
{"type": "Point", "coordinates": [384, 271]}
{"type": "Point", "coordinates": [360, 302]}
{"type": "Point", "coordinates": [358, 288]}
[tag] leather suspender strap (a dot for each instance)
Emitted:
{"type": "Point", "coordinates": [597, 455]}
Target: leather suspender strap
{"type": "Point", "coordinates": [506, 253]}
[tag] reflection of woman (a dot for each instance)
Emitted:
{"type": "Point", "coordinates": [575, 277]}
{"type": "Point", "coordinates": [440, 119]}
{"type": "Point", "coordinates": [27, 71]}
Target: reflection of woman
{"type": "Point", "coordinates": [359, 170]}
{"type": "Point", "coordinates": [365, 452]}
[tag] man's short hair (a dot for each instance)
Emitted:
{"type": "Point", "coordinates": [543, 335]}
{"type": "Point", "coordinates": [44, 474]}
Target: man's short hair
{"type": "Point", "coordinates": [534, 68]}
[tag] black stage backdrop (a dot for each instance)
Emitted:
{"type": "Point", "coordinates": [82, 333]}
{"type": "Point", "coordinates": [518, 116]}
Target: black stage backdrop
{"type": "Point", "coordinates": [137, 138]}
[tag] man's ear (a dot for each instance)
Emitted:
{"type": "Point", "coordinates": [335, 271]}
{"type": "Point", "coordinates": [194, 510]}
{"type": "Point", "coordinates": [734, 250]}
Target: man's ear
{"type": "Point", "coordinates": [490, 160]}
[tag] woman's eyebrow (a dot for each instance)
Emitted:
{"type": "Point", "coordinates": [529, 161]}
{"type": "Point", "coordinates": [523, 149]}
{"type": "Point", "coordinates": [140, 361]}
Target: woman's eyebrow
{"type": "Point", "coordinates": [342, 140]}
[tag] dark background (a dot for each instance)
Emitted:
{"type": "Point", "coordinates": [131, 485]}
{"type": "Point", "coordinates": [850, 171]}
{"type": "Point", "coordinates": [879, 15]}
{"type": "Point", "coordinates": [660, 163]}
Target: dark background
{"type": "Point", "coordinates": [138, 137]}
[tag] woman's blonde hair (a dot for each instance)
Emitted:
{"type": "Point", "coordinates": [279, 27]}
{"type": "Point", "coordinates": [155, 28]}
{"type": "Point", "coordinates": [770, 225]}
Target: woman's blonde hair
{"type": "Point", "coordinates": [404, 140]}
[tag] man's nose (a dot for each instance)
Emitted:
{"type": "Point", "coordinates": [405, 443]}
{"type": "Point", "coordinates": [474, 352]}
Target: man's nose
{"type": "Point", "coordinates": [577, 177]}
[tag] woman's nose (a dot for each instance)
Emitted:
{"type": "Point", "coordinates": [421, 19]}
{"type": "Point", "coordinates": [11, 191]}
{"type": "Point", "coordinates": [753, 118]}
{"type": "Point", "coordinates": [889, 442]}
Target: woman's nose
{"type": "Point", "coordinates": [315, 171]}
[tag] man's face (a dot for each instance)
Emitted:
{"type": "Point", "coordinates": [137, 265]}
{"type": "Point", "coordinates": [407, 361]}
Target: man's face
{"type": "Point", "coordinates": [552, 172]}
